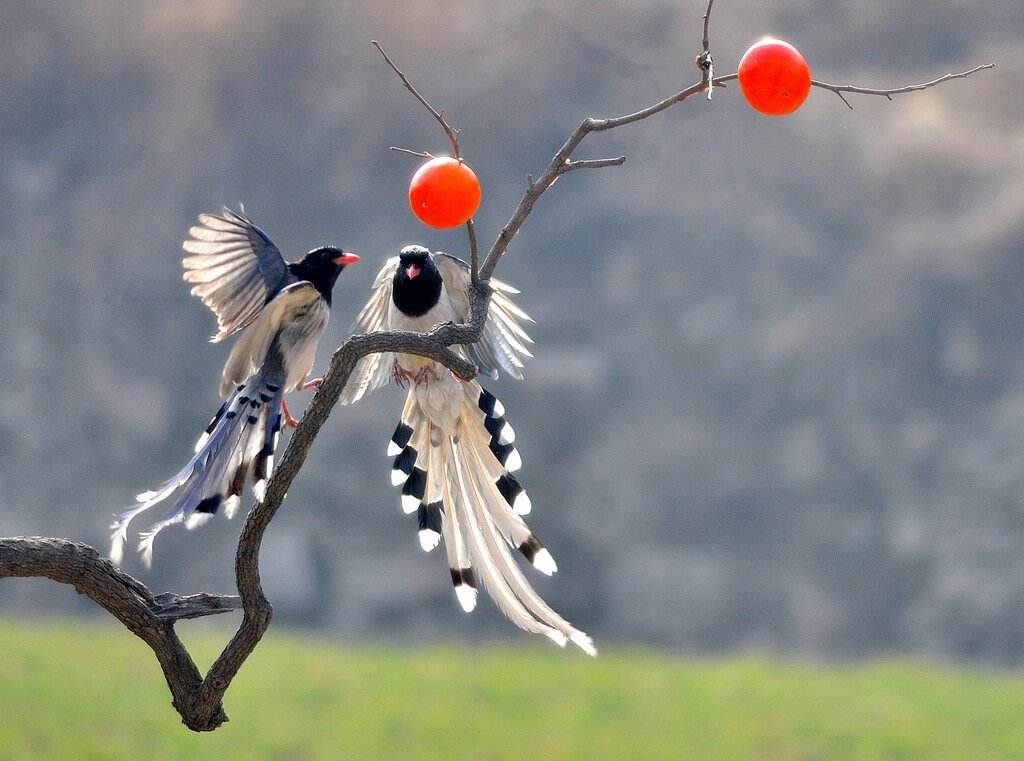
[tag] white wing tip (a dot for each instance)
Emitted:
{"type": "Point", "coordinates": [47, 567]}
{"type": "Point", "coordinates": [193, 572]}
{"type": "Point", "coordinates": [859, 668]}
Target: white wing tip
{"type": "Point", "coordinates": [522, 504]}
{"type": "Point", "coordinates": [260, 489]}
{"type": "Point", "coordinates": [507, 435]}
{"type": "Point", "coordinates": [429, 539]}
{"type": "Point", "coordinates": [195, 520]}
{"type": "Point", "coordinates": [231, 506]}
{"type": "Point", "coordinates": [393, 449]}
{"type": "Point", "coordinates": [544, 562]}
{"type": "Point", "coordinates": [467, 597]}
{"type": "Point", "coordinates": [410, 504]}
{"type": "Point", "coordinates": [398, 477]}
{"type": "Point", "coordinates": [514, 461]}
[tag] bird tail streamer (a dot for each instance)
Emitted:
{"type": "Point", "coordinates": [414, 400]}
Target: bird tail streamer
{"type": "Point", "coordinates": [461, 485]}
{"type": "Point", "coordinates": [242, 435]}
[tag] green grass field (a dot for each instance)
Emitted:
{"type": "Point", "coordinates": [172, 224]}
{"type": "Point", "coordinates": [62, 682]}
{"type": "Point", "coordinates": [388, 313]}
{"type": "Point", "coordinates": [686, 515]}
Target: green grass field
{"type": "Point", "coordinates": [81, 691]}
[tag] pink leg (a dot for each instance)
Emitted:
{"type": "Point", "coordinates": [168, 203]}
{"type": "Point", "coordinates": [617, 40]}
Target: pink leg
{"type": "Point", "coordinates": [289, 421]}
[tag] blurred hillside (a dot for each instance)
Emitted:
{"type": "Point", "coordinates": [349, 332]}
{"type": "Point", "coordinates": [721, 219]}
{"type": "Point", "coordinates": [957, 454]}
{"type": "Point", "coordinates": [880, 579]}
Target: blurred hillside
{"type": "Point", "coordinates": [778, 393]}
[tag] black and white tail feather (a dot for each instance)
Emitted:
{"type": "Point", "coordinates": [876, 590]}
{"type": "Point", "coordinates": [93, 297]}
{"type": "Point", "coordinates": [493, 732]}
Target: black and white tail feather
{"type": "Point", "coordinates": [463, 488]}
{"type": "Point", "coordinates": [454, 453]}
{"type": "Point", "coordinates": [241, 438]}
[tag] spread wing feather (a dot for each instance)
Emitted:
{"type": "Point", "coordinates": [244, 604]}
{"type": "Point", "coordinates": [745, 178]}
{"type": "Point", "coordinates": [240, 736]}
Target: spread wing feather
{"type": "Point", "coordinates": [503, 343]}
{"type": "Point", "coordinates": [373, 370]}
{"type": "Point", "coordinates": [235, 268]}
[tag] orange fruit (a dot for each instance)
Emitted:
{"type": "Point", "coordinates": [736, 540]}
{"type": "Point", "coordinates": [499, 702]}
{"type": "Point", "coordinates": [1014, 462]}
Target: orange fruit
{"type": "Point", "coordinates": [444, 192]}
{"type": "Point", "coordinates": [774, 77]}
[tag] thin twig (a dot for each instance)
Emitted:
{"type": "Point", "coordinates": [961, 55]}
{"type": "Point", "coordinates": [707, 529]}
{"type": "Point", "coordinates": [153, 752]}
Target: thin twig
{"type": "Point", "coordinates": [453, 139]}
{"type": "Point", "coordinates": [705, 61]}
{"type": "Point", "coordinates": [450, 132]}
{"type": "Point", "coordinates": [474, 256]}
{"type": "Point", "coordinates": [707, 23]}
{"type": "Point", "coordinates": [569, 166]}
{"type": "Point", "coordinates": [411, 152]}
{"type": "Point", "coordinates": [840, 89]}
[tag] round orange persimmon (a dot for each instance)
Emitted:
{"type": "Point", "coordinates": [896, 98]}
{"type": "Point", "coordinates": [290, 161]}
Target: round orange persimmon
{"type": "Point", "coordinates": [444, 192]}
{"type": "Point", "coordinates": [774, 77]}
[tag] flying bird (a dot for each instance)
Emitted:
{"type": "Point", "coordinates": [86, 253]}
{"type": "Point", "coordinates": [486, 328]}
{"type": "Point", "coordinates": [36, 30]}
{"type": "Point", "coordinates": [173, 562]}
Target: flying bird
{"type": "Point", "coordinates": [279, 310]}
{"type": "Point", "coordinates": [455, 457]}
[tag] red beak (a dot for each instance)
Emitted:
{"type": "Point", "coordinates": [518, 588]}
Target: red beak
{"type": "Point", "coordinates": [413, 271]}
{"type": "Point", "coordinates": [346, 258]}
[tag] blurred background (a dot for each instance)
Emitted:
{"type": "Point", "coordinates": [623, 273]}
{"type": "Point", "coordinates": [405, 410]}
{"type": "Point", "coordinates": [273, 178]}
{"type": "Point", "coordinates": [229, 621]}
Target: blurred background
{"type": "Point", "coordinates": [777, 403]}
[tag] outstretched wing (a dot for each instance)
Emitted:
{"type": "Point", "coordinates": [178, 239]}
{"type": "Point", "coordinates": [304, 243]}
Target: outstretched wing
{"type": "Point", "coordinates": [235, 268]}
{"type": "Point", "coordinates": [503, 343]}
{"type": "Point", "coordinates": [373, 370]}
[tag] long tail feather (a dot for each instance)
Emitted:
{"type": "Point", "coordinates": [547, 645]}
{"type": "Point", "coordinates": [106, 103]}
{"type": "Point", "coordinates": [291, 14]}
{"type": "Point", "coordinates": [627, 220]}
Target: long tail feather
{"type": "Point", "coordinates": [243, 433]}
{"type": "Point", "coordinates": [461, 486]}
{"type": "Point", "coordinates": [515, 578]}
{"type": "Point", "coordinates": [485, 551]}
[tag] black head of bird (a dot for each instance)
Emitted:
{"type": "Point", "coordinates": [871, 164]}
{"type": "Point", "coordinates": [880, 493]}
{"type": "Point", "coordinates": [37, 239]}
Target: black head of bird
{"type": "Point", "coordinates": [417, 283]}
{"type": "Point", "coordinates": [321, 267]}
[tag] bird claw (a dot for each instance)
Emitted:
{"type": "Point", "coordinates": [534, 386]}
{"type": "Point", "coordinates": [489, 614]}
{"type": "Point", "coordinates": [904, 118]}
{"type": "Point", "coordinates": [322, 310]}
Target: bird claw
{"type": "Point", "coordinates": [399, 375]}
{"type": "Point", "coordinates": [422, 375]}
{"type": "Point", "coordinates": [315, 383]}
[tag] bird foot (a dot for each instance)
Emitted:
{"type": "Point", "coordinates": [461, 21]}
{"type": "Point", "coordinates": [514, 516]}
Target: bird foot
{"type": "Point", "coordinates": [286, 416]}
{"type": "Point", "coordinates": [401, 376]}
{"type": "Point", "coordinates": [424, 375]}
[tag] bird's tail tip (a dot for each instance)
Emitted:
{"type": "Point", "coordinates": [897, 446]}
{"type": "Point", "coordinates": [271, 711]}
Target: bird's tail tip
{"type": "Point", "coordinates": [583, 641]}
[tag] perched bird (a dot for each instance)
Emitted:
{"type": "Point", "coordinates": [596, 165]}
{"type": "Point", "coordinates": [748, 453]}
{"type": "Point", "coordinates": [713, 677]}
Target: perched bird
{"type": "Point", "coordinates": [454, 454]}
{"type": "Point", "coordinates": [280, 310]}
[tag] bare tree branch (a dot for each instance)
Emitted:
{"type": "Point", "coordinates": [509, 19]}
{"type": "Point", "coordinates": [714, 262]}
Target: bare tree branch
{"type": "Point", "coordinates": [125, 598]}
{"type": "Point", "coordinates": [474, 256]}
{"type": "Point", "coordinates": [449, 131]}
{"type": "Point", "coordinates": [535, 189]}
{"type": "Point", "coordinates": [569, 166]}
{"type": "Point", "coordinates": [170, 606]}
{"type": "Point", "coordinates": [706, 39]}
{"type": "Point", "coordinates": [453, 139]}
{"type": "Point", "coordinates": [840, 89]}
{"type": "Point", "coordinates": [562, 158]}
{"type": "Point", "coordinates": [705, 62]}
